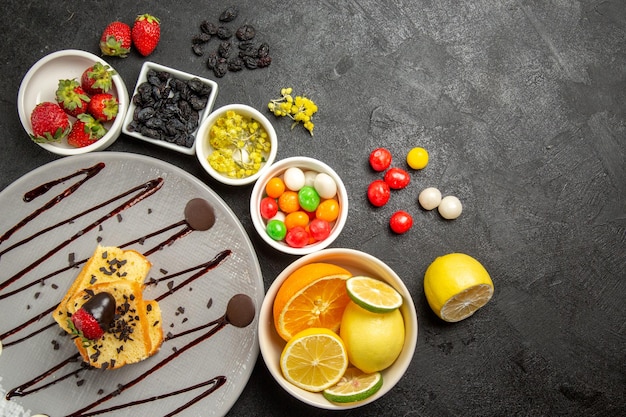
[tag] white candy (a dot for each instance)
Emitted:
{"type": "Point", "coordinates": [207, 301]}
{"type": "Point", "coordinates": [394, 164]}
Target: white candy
{"type": "Point", "coordinates": [325, 185]}
{"type": "Point", "coordinates": [294, 178]}
{"type": "Point", "coordinates": [429, 198]}
{"type": "Point", "coordinates": [309, 178]}
{"type": "Point", "coordinates": [278, 216]}
{"type": "Point", "coordinates": [450, 207]}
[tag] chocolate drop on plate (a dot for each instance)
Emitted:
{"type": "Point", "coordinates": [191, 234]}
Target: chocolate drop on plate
{"type": "Point", "coordinates": [199, 214]}
{"type": "Point", "coordinates": [240, 310]}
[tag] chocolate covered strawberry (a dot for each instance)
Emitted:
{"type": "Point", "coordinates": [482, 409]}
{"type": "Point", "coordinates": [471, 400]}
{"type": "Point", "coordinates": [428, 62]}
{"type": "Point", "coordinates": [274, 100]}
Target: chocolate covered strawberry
{"type": "Point", "coordinates": [93, 319]}
{"type": "Point", "coordinates": [98, 78]}
{"type": "Point", "coordinates": [85, 131]}
{"type": "Point", "coordinates": [71, 97]}
{"type": "Point", "coordinates": [49, 122]}
{"type": "Point", "coordinates": [116, 40]}
{"type": "Point", "coordinates": [103, 107]}
{"type": "Point", "coordinates": [146, 33]}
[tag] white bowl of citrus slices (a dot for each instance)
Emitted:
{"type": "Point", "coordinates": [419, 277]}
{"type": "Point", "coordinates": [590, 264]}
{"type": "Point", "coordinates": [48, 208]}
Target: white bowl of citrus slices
{"type": "Point", "coordinates": [349, 305]}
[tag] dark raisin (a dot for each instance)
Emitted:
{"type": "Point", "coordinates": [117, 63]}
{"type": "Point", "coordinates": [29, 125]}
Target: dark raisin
{"type": "Point", "coordinates": [197, 86]}
{"type": "Point", "coordinates": [211, 61]}
{"type": "Point", "coordinates": [264, 61]}
{"type": "Point", "coordinates": [220, 69]}
{"type": "Point", "coordinates": [224, 49]}
{"type": "Point", "coordinates": [235, 64]}
{"type": "Point", "coordinates": [245, 33]}
{"type": "Point", "coordinates": [264, 50]}
{"type": "Point", "coordinates": [145, 114]}
{"type": "Point", "coordinates": [208, 27]}
{"type": "Point", "coordinates": [201, 38]}
{"type": "Point", "coordinates": [250, 62]}
{"type": "Point", "coordinates": [224, 33]}
{"type": "Point", "coordinates": [229, 14]}
{"type": "Point", "coordinates": [197, 49]}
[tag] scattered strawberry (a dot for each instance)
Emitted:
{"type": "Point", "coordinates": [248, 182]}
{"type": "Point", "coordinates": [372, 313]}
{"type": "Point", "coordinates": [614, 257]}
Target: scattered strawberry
{"type": "Point", "coordinates": [97, 79]}
{"type": "Point", "coordinates": [146, 33]}
{"type": "Point", "coordinates": [71, 97]}
{"type": "Point", "coordinates": [85, 131]}
{"type": "Point", "coordinates": [94, 317]}
{"type": "Point", "coordinates": [103, 107]}
{"type": "Point", "coordinates": [116, 40]}
{"type": "Point", "coordinates": [49, 122]}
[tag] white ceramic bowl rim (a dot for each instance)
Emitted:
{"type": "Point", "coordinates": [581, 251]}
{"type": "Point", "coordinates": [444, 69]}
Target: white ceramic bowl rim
{"type": "Point", "coordinates": [279, 167]}
{"type": "Point", "coordinates": [114, 130]}
{"type": "Point", "coordinates": [202, 147]}
{"type": "Point", "coordinates": [353, 260]}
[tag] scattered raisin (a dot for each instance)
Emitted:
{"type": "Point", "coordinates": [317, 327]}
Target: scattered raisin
{"type": "Point", "coordinates": [208, 28]}
{"type": "Point", "coordinates": [245, 33]}
{"type": "Point", "coordinates": [224, 33]}
{"type": "Point", "coordinates": [229, 14]}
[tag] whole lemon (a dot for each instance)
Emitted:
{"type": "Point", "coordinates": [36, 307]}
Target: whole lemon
{"type": "Point", "coordinates": [373, 340]}
{"type": "Point", "coordinates": [456, 285]}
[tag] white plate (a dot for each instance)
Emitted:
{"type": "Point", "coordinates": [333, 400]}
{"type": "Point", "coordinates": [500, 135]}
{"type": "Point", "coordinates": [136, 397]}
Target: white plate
{"type": "Point", "coordinates": [231, 352]}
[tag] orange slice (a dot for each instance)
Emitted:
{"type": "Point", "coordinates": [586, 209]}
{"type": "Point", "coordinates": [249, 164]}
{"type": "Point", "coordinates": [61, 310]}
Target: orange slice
{"type": "Point", "coordinates": [314, 295]}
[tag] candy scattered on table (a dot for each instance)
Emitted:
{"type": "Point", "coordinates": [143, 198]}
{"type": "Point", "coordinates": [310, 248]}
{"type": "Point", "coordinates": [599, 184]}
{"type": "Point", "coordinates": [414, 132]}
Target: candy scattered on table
{"type": "Point", "coordinates": [395, 178]}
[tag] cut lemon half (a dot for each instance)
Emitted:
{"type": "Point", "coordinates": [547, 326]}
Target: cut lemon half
{"type": "Point", "coordinates": [314, 295]}
{"type": "Point", "coordinates": [314, 359]}
{"type": "Point", "coordinates": [354, 385]}
{"type": "Point", "coordinates": [456, 286]}
{"type": "Point", "coordinates": [373, 295]}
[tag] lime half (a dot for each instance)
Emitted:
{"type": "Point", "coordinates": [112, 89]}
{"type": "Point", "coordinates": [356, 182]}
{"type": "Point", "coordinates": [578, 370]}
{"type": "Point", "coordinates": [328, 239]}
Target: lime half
{"type": "Point", "coordinates": [373, 295]}
{"type": "Point", "coordinates": [354, 385]}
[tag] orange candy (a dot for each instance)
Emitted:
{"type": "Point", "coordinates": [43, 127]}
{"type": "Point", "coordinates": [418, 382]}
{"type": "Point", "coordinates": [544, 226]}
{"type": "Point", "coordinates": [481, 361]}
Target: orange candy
{"type": "Point", "coordinates": [296, 218]}
{"type": "Point", "coordinates": [288, 202]}
{"type": "Point", "coordinates": [328, 210]}
{"type": "Point", "coordinates": [275, 187]}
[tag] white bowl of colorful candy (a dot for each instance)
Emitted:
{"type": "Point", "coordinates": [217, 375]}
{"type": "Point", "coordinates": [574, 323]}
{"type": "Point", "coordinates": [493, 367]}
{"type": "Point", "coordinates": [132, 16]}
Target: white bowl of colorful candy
{"type": "Point", "coordinates": [299, 205]}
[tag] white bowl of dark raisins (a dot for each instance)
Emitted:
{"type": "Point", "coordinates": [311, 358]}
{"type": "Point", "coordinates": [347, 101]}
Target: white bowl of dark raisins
{"type": "Point", "coordinates": [167, 107]}
{"type": "Point", "coordinates": [41, 82]}
{"type": "Point", "coordinates": [236, 144]}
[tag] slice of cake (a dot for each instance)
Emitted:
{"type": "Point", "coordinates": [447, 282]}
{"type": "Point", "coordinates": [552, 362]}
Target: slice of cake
{"type": "Point", "coordinates": [132, 331]}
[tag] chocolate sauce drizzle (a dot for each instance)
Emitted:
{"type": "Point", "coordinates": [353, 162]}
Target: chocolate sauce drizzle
{"type": "Point", "coordinates": [145, 190]}
{"type": "Point", "coordinates": [44, 188]}
{"type": "Point", "coordinates": [149, 188]}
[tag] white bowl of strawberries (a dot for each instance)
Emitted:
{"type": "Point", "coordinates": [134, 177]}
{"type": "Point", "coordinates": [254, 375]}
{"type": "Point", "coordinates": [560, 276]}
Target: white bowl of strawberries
{"type": "Point", "coordinates": [85, 103]}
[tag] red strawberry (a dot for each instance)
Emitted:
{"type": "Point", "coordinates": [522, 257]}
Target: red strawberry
{"type": "Point", "coordinates": [97, 79]}
{"type": "Point", "coordinates": [95, 316]}
{"type": "Point", "coordinates": [116, 40]}
{"type": "Point", "coordinates": [49, 122]}
{"type": "Point", "coordinates": [85, 131]}
{"type": "Point", "coordinates": [146, 33]}
{"type": "Point", "coordinates": [103, 107]}
{"type": "Point", "coordinates": [71, 97]}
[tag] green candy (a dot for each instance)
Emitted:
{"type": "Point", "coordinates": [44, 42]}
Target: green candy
{"type": "Point", "coordinates": [308, 198]}
{"type": "Point", "coordinates": [276, 229]}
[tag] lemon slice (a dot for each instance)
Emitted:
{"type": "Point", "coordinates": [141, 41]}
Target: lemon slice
{"type": "Point", "coordinates": [456, 286]}
{"type": "Point", "coordinates": [354, 385]}
{"type": "Point", "coordinates": [373, 295]}
{"type": "Point", "coordinates": [314, 359]}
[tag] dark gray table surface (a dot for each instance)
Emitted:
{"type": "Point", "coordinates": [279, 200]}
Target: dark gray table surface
{"type": "Point", "coordinates": [522, 106]}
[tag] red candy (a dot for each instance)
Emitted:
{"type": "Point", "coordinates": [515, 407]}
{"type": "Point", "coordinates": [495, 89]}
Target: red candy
{"type": "Point", "coordinates": [380, 159]}
{"type": "Point", "coordinates": [397, 178]}
{"type": "Point", "coordinates": [378, 193]}
{"type": "Point", "coordinates": [269, 208]}
{"type": "Point", "coordinates": [319, 229]}
{"type": "Point", "coordinates": [401, 222]}
{"type": "Point", "coordinates": [297, 237]}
